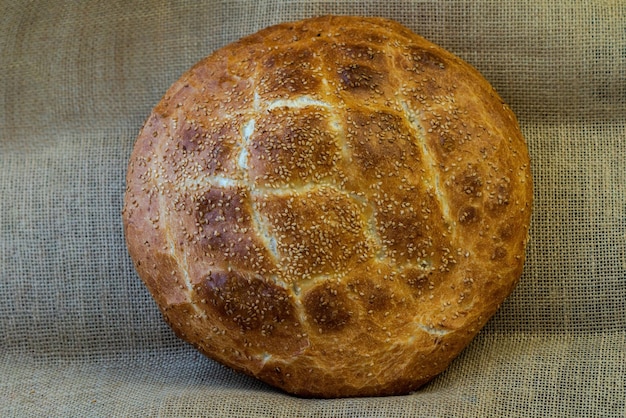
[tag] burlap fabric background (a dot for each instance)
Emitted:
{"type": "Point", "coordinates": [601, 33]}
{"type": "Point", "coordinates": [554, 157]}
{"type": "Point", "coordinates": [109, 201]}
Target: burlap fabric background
{"type": "Point", "coordinates": [79, 334]}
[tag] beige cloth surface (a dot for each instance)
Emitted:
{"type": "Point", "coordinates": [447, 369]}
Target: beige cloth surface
{"type": "Point", "coordinates": [79, 334]}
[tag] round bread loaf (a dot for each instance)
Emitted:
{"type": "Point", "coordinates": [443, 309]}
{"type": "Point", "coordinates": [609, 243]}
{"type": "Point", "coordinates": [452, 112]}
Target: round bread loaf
{"type": "Point", "coordinates": [335, 206]}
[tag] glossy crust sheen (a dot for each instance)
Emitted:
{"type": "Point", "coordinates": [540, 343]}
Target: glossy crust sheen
{"type": "Point", "coordinates": [335, 206]}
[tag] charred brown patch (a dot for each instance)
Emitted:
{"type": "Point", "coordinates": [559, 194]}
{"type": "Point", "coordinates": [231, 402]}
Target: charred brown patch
{"type": "Point", "coordinates": [328, 307]}
{"type": "Point", "coordinates": [289, 72]}
{"type": "Point", "coordinates": [190, 136]}
{"type": "Point", "coordinates": [447, 142]}
{"type": "Point", "coordinates": [417, 279]}
{"type": "Point", "coordinates": [360, 53]}
{"type": "Point", "coordinates": [506, 231]}
{"type": "Point", "coordinates": [206, 149]}
{"type": "Point", "coordinates": [249, 302]}
{"type": "Point", "coordinates": [468, 215]}
{"type": "Point", "coordinates": [218, 206]}
{"type": "Point", "coordinates": [499, 253]}
{"type": "Point", "coordinates": [425, 59]}
{"type": "Point", "coordinates": [470, 183]}
{"type": "Point", "coordinates": [356, 77]}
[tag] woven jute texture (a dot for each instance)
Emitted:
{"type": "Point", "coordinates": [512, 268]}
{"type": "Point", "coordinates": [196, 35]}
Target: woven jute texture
{"type": "Point", "coordinates": [79, 334]}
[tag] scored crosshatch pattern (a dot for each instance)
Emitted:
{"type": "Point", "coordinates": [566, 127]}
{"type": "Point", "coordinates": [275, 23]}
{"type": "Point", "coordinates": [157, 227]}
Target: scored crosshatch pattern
{"type": "Point", "coordinates": [307, 185]}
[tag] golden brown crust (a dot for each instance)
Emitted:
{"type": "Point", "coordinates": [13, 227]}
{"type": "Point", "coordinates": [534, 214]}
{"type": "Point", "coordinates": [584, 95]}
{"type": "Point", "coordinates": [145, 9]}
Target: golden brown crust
{"type": "Point", "coordinates": [335, 206]}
